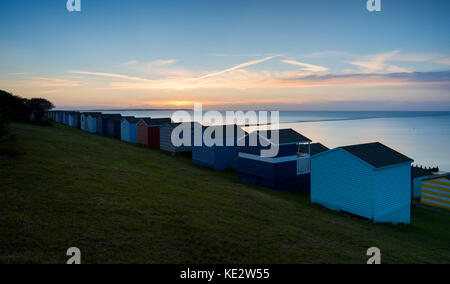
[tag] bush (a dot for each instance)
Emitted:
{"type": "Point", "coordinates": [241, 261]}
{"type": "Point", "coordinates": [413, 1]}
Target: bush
{"type": "Point", "coordinates": [3, 126]}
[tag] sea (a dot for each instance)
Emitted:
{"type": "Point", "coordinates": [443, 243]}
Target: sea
{"type": "Point", "coordinates": [422, 136]}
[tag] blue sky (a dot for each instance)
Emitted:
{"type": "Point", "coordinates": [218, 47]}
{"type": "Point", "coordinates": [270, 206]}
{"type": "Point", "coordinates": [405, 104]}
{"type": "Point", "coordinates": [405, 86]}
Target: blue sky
{"type": "Point", "coordinates": [312, 54]}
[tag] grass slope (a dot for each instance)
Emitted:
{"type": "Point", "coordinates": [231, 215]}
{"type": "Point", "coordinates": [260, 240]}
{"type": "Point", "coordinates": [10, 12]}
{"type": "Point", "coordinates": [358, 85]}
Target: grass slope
{"type": "Point", "coordinates": [120, 203]}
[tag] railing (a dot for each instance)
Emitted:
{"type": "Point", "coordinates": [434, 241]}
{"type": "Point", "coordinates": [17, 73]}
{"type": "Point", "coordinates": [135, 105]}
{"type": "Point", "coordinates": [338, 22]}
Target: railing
{"type": "Point", "coordinates": [303, 164]}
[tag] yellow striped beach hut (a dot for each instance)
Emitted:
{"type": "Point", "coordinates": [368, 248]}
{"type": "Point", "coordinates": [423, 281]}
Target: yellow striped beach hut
{"type": "Point", "coordinates": [436, 191]}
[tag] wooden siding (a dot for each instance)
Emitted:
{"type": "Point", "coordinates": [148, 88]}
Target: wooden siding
{"type": "Point", "coordinates": [341, 181]}
{"type": "Point", "coordinates": [392, 194]}
{"type": "Point", "coordinates": [165, 133]}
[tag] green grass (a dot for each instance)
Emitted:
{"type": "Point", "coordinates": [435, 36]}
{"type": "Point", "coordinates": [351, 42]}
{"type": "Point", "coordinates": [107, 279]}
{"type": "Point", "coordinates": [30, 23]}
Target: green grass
{"type": "Point", "coordinates": [120, 203]}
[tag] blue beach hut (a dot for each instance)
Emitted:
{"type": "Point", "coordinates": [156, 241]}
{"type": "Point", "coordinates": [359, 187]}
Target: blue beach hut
{"type": "Point", "coordinates": [92, 121]}
{"type": "Point", "coordinates": [288, 169]}
{"type": "Point", "coordinates": [369, 180]}
{"type": "Point", "coordinates": [66, 118]}
{"type": "Point", "coordinates": [222, 155]}
{"type": "Point", "coordinates": [84, 119]}
{"type": "Point", "coordinates": [71, 119]}
{"type": "Point", "coordinates": [129, 131]}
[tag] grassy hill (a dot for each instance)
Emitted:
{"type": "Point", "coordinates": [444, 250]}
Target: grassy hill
{"type": "Point", "coordinates": [120, 203]}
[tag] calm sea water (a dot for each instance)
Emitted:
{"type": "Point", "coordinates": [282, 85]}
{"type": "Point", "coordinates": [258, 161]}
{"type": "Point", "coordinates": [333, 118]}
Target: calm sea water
{"type": "Point", "coordinates": [422, 136]}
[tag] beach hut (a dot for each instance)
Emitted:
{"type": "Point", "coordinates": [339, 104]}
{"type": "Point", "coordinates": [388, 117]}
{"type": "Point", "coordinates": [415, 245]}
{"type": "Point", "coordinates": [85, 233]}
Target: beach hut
{"type": "Point", "coordinates": [418, 174]}
{"type": "Point", "coordinates": [313, 148]}
{"type": "Point", "coordinates": [92, 121]}
{"type": "Point", "coordinates": [368, 180]}
{"type": "Point", "coordinates": [149, 131]}
{"type": "Point", "coordinates": [221, 155]}
{"type": "Point", "coordinates": [84, 121]}
{"type": "Point", "coordinates": [66, 118]}
{"type": "Point", "coordinates": [128, 131]}
{"type": "Point", "coordinates": [288, 169]}
{"type": "Point", "coordinates": [114, 126]}
{"type": "Point", "coordinates": [102, 123]}
{"type": "Point", "coordinates": [166, 143]}
{"type": "Point", "coordinates": [71, 122]}
{"type": "Point", "coordinates": [436, 191]}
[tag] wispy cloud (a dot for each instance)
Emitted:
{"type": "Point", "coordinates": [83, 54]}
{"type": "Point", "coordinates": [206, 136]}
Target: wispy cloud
{"type": "Point", "coordinates": [162, 62]}
{"type": "Point", "coordinates": [379, 64]}
{"type": "Point", "coordinates": [307, 67]}
{"type": "Point", "coordinates": [109, 75]}
{"type": "Point", "coordinates": [46, 82]}
{"type": "Point", "coordinates": [132, 62]}
{"type": "Point", "coordinates": [237, 67]}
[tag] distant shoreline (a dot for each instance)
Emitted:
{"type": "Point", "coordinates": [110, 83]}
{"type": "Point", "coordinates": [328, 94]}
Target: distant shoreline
{"type": "Point", "coordinates": [140, 109]}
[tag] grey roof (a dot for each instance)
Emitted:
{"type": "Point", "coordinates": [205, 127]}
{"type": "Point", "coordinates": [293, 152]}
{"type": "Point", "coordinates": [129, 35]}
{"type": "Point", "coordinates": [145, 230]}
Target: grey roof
{"type": "Point", "coordinates": [377, 154]}
{"type": "Point", "coordinates": [156, 121]}
{"type": "Point", "coordinates": [131, 119]}
{"type": "Point", "coordinates": [316, 148]}
{"type": "Point", "coordinates": [111, 116]}
{"type": "Point", "coordinates": [176, 124]}
{"type": "Point", "coordinates": [286, 136]}
{"type": "Point", "coordinates": [225, 129]}
{"type": "Point", "coordinates": [94, 114]}
{"type": "Point", "coordinates": [439, 176]}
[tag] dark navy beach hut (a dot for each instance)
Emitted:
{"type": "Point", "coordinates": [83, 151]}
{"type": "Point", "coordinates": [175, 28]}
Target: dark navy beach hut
{"type": "Point", "coordinates": [289, 169]}
{"type": "Point", "coordinates": [113, 123]}
{"type": "Point", "coordinates": [369, 180]}
{"type": "Point", "coordinates": [418, 174]}
{"type": "Point", "coordinates": [129, 129]}
{"type": "Point", "coordinates": [102, 123]}
{"type": "Point", "coordinates": [166, 137]}
{"type": "Point", "coordinates": [221, 156]}
{"type": "Point", "coordinates": [149, 131]}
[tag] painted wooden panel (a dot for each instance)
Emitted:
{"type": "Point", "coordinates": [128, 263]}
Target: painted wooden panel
{"type": "Point", "coordinates": [340, 181]}
{"type": "Point", "coordinates": [392, 194]}
{"type": "Point", "coordinates": [436, 193]}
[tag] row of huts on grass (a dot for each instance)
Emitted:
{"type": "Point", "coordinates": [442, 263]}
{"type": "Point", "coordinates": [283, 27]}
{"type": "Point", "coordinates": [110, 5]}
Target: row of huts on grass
{"type": "Point", "coordinates": [369, 180]}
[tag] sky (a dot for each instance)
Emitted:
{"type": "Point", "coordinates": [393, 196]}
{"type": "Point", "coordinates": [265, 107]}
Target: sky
{"type": "Point", "coordinates": [233, 54]}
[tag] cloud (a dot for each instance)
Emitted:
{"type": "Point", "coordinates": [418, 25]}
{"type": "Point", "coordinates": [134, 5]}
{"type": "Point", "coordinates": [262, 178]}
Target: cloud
{"type": "Point", "coordinates": [45, 82]}
{"type": "Point", "coordinates": [237, 67]}
{"type": "Point", "coordinates": [375, 63]}
{"type": "Point", "coordinates": [307, 67]}
{"type": "Point", "coordinates": [162, 62]}
{"type": "Point", "coordinates": [109, 75]}
{"type": "Point", "coordinates": [132, 62]}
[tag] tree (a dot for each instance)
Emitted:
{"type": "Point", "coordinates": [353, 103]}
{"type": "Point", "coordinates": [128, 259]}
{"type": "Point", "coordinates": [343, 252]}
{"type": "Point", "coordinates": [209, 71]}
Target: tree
{"type": "Point", "coordinates": [13, 107]}
{"type": "Point", "coordinates": [39, 108]}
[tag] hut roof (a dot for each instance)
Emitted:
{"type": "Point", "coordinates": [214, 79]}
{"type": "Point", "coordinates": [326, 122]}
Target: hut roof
{"type": "Point", "coordinates": [112, 116]}
{"type": "Point", "coordinates": [225, 130]}
{"type": "Point", "coordinates": [156, 121]}
{"type": "Point", "coordinates": [377, 154]}
{"type": "Point", "coordinates": [286, 136]}
{"type": "Point", "coordinates": [131, 119]}
{"type": "Point", "coordinates": [316, 148]}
